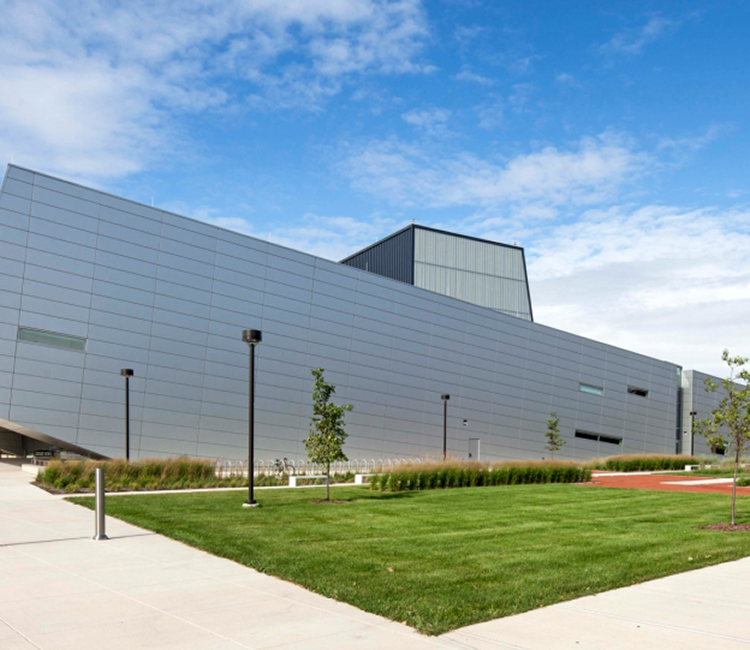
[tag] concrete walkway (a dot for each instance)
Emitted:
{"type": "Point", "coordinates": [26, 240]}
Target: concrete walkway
{"type": "Point", "coordinates": [59, 589]}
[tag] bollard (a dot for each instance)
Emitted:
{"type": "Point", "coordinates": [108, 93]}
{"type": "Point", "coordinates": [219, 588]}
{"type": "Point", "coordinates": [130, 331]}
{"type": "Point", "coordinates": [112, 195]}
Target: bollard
{"type": "Point", "coordinates": [100, 532]}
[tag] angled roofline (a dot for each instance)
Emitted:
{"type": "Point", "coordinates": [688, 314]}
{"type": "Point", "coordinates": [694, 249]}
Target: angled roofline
{"type": "Point", "coordinates": [415, 226]}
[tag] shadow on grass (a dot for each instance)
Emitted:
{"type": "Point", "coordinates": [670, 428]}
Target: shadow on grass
{"type": "Point", "coordinates": [385, 496]}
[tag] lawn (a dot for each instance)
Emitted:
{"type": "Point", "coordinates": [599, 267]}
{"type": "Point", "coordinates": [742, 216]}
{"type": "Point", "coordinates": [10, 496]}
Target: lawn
{"type": "Point", "coordinates": [442, 559]}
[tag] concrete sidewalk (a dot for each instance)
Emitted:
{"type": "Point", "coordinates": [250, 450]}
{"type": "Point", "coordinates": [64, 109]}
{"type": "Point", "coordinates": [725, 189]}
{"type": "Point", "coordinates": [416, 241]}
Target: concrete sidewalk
{"type": "Point", "coordinates": [60, 589]}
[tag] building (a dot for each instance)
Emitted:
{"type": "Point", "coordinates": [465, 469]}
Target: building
{"type": "Point", "coordinates": [478, 271]}
{"type": "Point", "coordinates": [93, 283]}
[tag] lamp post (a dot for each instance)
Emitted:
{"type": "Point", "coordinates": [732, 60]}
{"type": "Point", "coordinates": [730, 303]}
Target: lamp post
{"type": "Point", "coordinates": [445, 399]}
{"type": "Point", "coordinates": [252, 338]}
{"type": "Point", "coordinates": [127, 373]}
{"type": "Point", "coordinates": [692, 432]}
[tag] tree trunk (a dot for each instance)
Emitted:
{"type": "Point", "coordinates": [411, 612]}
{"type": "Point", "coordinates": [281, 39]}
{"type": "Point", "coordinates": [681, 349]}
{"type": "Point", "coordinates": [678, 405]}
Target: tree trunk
{"type": "Point", "coordinates": [328, 487]}
{"type": "Point", "coordinates": [734, 483]}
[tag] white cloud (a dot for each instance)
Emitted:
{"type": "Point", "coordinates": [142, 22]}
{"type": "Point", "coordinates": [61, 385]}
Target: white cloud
{"type": "Point", "coordinates": [432, 121]}
{"type": "Point", "coordinates": [632, 41]}
{"type": "Point", "coordinates": [491, 114]}
{"type": "Point", "coordinates": [521, 96]}
{"type": "Point", "coordinates": [334, 238]}
{"type": "Point", "coordinates": [97, 90]}
{"type": "Point", "coordinates": [566, 79]}
{"type": "Point", "coordinates": [465, 34]}
{"type": "Point", "coordinates": [661, 281]}
{"type": "Point", "coordinates": [467, 75]}
{"type": "Point", "coordinates": [695, 142]}
{"type": "Point", "coordinates": [591, 171]}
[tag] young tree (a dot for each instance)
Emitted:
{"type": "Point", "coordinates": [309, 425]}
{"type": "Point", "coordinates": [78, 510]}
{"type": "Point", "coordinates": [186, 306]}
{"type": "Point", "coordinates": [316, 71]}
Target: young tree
{"type": "Point", "coordinates": [732, 416]}
{"type": "Point", "coordinates": [555, 441]}
{"type": "Point", "coordinates": [325, 441]}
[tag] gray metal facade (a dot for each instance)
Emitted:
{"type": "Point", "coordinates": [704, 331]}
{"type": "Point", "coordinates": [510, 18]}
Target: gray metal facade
{"type": "Point", "coordinates": [696, 398]}
{"type": "Point", "coordinates": [168, 296]}
{"type": "Point", "coordinates": [481, 272]}
{"type": "Point", "coordinates": [392, 257]}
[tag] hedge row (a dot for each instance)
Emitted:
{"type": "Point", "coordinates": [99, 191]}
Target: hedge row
{"type": "Point", "coordinates": [643, 462]}
{"type": "Point", "coordinates": [428, 477]}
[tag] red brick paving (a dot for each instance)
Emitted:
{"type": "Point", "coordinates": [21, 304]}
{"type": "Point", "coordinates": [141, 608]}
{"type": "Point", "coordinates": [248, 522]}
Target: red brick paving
{"type": "Point", "coordinates": [663, 482]}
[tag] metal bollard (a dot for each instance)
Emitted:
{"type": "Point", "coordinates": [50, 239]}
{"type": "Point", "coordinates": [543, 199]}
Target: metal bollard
{"type": "Point", "coordinates": [100, 532]}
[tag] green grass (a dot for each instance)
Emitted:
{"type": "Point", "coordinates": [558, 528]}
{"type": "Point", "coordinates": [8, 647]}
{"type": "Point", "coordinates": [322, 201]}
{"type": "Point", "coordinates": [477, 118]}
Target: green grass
{"type": "Point", "coordinates": [458, 556]}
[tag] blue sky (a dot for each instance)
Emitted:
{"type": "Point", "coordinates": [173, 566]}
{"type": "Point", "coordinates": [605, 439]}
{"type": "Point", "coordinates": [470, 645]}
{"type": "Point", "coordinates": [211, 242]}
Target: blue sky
{"type": "Point", "coordinates": [607, 138]}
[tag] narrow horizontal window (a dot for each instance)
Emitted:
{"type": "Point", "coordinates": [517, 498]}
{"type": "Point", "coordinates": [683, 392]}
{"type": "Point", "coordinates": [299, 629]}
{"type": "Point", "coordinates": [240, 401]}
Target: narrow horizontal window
{"type": "Point", "coordinates": [52, 339]}
{"type": "Point", "coordinates": [588, 388]}
{"type": "Point", "coordinates": [597, 437]}
{"type": "Point", "coordinates": [715, 449]}
{"type": "Point", "coordinates": [641, 392]}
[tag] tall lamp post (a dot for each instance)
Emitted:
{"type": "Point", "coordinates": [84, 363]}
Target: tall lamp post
{"type": "Point", "coordinates": [692, 432]}
{"type": "Point", "coordinates": [127, 373]}
{"type": "Point", "coordinates": [445, 399]}
{"type": "Point", "coordinates": [252, 338]}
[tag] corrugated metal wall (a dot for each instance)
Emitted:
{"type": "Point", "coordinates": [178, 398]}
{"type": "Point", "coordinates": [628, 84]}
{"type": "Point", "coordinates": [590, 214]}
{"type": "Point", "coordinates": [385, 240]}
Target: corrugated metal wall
{"type": "Point", "coordinates": [392, 258]}
{"type": "Point", "coordinates": [486, 274]}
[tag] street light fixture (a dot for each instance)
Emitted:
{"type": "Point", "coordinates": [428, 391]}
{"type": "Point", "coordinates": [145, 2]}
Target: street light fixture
{"type": "Point", "coordinates": [692, 432]}
{"type": "Point", "coordinates": [127, 373]}
{"type": "Point", "coordinates": [445, 399]}
{"type": "Point", "coordinates": [252, 338]}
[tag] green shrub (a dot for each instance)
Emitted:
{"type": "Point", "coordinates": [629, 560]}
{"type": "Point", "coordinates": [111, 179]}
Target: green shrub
{"type": "Point", "coordinates": [429, 476]}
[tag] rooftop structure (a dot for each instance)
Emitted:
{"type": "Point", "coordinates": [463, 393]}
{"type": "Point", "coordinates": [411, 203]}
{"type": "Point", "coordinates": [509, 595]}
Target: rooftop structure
{"type": "Point", "coordinates": [479, 271]}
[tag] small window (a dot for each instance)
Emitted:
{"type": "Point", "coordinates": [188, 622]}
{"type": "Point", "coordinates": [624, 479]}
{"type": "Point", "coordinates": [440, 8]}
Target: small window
{"type": "Point", "coordinates": [720, 451]}
{"type": "Point", "coordinates": [588, 388]}
{"type": "Point", "coordinates": [51, 339]}
{"type": "Point", "coordinates": [596, 437]}
{"type": "Point", "coordinates": [641, 392]}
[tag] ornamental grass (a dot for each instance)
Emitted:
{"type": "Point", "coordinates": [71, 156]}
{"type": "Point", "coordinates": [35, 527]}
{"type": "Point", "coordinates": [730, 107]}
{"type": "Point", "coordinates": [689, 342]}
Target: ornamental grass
{"type": "Point", "coordinates": [454, 474]}
{"type": "Point", "coordinates": [644, 462]}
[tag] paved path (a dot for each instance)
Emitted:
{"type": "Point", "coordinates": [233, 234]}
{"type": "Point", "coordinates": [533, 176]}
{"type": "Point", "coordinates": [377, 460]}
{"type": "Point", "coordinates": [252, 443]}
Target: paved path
{"type": "Point", "coordinates": [657, 481]}
{"type": "Point", "coordinates": [59, 590]}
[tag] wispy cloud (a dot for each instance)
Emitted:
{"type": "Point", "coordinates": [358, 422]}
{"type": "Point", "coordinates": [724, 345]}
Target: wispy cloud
{"type": "Point", "coordinates": [693, 142]}
{"type": "Point", "coordinates": [655, 279]}
{"type": "Point", "coordinates": [467, 75]}
{"type": "Point", "coordinates": [432, 121]}
{"type": "Point", "coordinates": [521, 96]}
{"type": "Point", "coordinates": [335, 238]}
{"type": "Point", "coordinates": [590, 171]}
{"type": "Point", "coordinates": [491, 113]}
{"type": "Point", "coordinates": [567, 80]}
{"type": "Point", "coordinates": [465, 34]}
{"type": "Point", "coordinates": [633, 40]}
{"type": "Point", "coordinates": [98, 91]}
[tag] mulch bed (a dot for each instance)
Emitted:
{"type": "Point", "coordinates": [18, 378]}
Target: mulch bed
{"type": "Point", "coordinates": [728, 527]}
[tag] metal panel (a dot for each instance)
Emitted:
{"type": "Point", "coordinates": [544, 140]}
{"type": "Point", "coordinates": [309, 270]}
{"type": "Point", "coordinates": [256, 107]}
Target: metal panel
{"type": "Point", "coordinates": [392, 360]}
{"type": "Point", "coordinates": [392, 257]}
